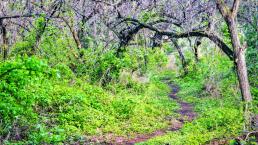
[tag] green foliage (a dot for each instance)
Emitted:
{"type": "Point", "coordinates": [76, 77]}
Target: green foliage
{"type": "Point", "coordinates": [80, 94]}
{"type": "Point", "coordinates": [210, 125]}
{"type": "Point", "coordinates": [93, 64]}
{"type": "Point", "coordinates": [226, 35]}
{"type": "Point", "coordinates": [102, 66]}
{"type": "Point", "coordinates": [148, 15]}
{"type": "Point", "coordinates": [105, 66]}
{"type": "Point", "coordinates": [251, 38]}
{"type": "Point", "coordinates": [40, 104]}
{"type": "Point", "coordinates": [54, 45]}
{"type": "Point", "coordinates": [58, 102]}
{"type": "Point", "coordinates": [26, 45]}
{"type": "Point", "coordinates": [219, 114]}
{"type": "Point", "coordinates": [16, 104]}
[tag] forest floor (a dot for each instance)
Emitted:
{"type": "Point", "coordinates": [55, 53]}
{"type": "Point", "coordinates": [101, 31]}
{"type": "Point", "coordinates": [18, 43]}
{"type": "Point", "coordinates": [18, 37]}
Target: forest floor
{"type": "Point", "coordinates": [215, 119]}
{"type": "Point", "coordinates": [186, 114]}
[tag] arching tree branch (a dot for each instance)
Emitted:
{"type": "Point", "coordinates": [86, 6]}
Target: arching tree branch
{"type": "Point", "coordinates": [214, 38]}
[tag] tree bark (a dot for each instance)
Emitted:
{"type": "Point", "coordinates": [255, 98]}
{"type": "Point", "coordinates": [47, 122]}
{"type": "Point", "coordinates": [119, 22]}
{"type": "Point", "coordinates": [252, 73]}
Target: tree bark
{"type": "Point", "coordinates": [181, 56]}
{"type": "Point", "coordinates": [196, 45]}
{"type": "Point", "coordinates": [240, 63]}
{"type": "Point", "coordinates": [156, 40]}
{"type": "Point", "coordinates": [4, 39]}
{"type": "Point", "coordinates": [41, 30]}
{"type": "Point", "coordinates": [213, 37]}
{"type": "Point", "coordinates": [239, 56]}
{"type": "Point", "coordinates": [74, 34]}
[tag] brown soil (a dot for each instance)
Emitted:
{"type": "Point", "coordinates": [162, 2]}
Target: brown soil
{"type": "Point", "coordinates": [186, 110]}
{"type": "Point", "coordinates": [186, 115]}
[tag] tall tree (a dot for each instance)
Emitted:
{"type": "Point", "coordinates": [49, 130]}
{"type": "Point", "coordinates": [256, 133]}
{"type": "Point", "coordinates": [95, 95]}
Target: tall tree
{"type": "Point", "coordinates": [230, 16]}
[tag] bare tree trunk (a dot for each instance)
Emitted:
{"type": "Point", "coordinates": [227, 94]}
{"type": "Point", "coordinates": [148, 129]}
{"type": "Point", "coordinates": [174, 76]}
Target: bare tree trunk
{"type": "Point", "coordinates": [74, 34]}
{"type": "Point", "coordinates": [181, 56]}
{"type": "Point", "coordinates": [41, 31]}
{"type": "Point", "coordinates": [240, 62]}
{"type": "Point", "coordinates": [81, 33]}
{"type": "Point", "coordinates": [196, 45]}
{"type": "Point", "coordinates": [239, 56]}
{"type": "Point", "coordinates": [81, 29]}
{"type": "Point", "coordinates": [156, 40]}
{"type": "Point", "coordinates": [4, 39]}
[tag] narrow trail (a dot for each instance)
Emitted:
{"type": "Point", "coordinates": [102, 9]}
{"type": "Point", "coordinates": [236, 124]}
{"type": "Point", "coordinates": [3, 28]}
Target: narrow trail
{"type": "Point", "coordinates": [186, 110]}
{"type": "Point", "coordinates": [186, 113]}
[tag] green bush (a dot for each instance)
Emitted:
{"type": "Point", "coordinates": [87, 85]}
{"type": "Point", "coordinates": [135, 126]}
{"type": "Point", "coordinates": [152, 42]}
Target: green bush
{"type": "Point", "coordinates": [16, 104]}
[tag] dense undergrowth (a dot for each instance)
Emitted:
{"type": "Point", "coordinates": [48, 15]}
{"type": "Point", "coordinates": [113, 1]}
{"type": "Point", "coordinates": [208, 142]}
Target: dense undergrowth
{"type": "Point", "coordinates": [40, 104]}
{"type": "Point", "coordinates": [211, 88]}
{"type": "Point", "coordinates": [43, 104]}
{"type": "Point", "coordinates": [65, 95]}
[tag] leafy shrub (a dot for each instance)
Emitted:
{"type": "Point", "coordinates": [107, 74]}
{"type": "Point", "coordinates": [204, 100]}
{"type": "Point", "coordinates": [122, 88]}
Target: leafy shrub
{"type": "Point", "coordinates": [16, 105]}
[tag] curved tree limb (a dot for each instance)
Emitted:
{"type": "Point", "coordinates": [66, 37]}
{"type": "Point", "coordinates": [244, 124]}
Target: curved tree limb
{"type": "Point", "coordinates": [214, 38]}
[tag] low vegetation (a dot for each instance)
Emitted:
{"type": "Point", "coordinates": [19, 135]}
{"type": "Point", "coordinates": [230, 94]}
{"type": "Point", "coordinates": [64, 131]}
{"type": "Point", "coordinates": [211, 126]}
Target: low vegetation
{"type": "Point", "coordinates": [129, 72]}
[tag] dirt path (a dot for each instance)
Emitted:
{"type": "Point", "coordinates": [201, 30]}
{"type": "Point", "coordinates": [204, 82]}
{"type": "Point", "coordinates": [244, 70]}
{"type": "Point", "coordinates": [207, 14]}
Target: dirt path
{"type": "Point", "coordinates": [186, 112]}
